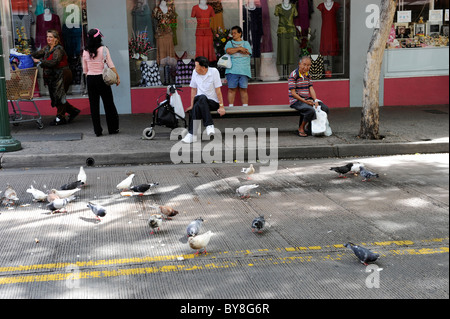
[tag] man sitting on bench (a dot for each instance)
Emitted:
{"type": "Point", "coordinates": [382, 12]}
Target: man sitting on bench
{"type": "Point", "coordinates": [302, 96]}
{"type": "Point", "coordinates": [206, 96]}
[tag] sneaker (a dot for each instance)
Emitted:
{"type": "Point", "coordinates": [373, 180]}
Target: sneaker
{"type": "Point", "coordinates": [73, 115]}
{"type": "Point", "coordinates": [210, 130]}
{"type": "Point", "coordinates": [58, 121]}
{"type": "Point", "coordinates": [189, 138]}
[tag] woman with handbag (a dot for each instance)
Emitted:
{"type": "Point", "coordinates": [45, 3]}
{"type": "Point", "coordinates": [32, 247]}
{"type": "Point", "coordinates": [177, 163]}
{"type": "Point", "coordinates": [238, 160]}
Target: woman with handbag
{"type": "Point", "coordinates": [57, 76]}
{"type": "Point", "coordinates": [94, 59]}
{"type": "Point", "coordinates": [239, 73]}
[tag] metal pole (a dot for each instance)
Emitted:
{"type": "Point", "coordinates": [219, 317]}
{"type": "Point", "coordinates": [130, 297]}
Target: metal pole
{"type": "Point", "coordinates": [7, 143]}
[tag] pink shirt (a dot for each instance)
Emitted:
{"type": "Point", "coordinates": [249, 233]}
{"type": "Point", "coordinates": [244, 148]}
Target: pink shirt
{"type": "Point", "coordinates": [95, 66]}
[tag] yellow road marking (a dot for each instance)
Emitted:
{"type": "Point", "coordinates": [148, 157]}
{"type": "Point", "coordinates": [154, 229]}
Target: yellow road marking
{"type": "Point", "coordinates": [177, 268]}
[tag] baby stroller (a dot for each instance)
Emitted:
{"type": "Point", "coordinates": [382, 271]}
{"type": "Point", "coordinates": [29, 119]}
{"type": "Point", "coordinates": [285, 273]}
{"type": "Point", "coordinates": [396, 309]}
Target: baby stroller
{"type": "Point", "coordinates": [164, 114]}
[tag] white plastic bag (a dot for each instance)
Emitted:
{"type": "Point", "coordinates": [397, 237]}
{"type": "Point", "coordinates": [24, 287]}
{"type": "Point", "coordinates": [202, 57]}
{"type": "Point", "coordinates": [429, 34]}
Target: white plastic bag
{"type": "Point", "coordinates": [319, 125]}
{"type": "Point", "coordinates": [175, 101]}
{"type": "Point", "coordinates": [225, 61]}
{"type": "Point", "coordinates": [328, 131]}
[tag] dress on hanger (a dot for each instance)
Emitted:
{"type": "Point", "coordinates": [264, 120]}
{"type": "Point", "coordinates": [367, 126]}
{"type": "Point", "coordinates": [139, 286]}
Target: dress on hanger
{"type": "Point", "coordinates": [253, 29]}
{"type": "Point", "coordinates": [203, 34]}
{"type": "Point", "coordinates": [142, 21]}
{"type": "Point", "coordinates": [266, 43]}
{"type": "Point", "coordinates": [217, 20]}
{"type": "Point", "coordinates": [42, 26]}
{"type": "Point", "coordinates": [329, 41]}
{"type": "Point", "coordinates": [286, 33]}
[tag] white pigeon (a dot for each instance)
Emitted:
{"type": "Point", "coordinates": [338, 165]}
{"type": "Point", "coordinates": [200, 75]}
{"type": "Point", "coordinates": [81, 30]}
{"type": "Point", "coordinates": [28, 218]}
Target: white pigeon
{"type": "Point", "coordinates": [155, 222]}
{"type": "Point", "coordinates": [82, 175]}
{"type": "Point", "coordinates": [126, 183]}
{"type": "Point", "coordinates": [10, 195]}
{"type": "Point", "coordinates": [249, 171]}
{"type": "Point", "coordinates": [38, 195]}
{"type": "Point", "coordinates": [59, 203]}
{"type": "Point", "coordinates": [244, 191]}
{"type": "Point", "coordinates": [355, 168]}
{"type": "Point", "coordinates": [65, 193]}
{"type": "Point", "coordinates": [200, 241]}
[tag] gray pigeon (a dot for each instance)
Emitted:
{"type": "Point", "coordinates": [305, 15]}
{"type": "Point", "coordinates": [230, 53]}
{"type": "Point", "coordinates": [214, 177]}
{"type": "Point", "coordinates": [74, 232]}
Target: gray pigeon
{"type": "Point", "coordinates": [194, 227]}
{"type": "Point", "coordinates": [342, 170]}
{"type": "Point", "coordinates": [364, 255]}
{"type": "Point", "coordinates": [154, 222]}
{"type": "Point", "coordinates": [72, 185]}
{"type": "Point", "coordinates": [258, 224]}
{"type": "Point", "coordinates": [98, 210]}
{"type": "Point", "coordinates": [59, 203]}
{"type": "Point", "coordinates": [244, 191]}
{"type": "Point", "coordinates": [142, 188]}
{"type": "Point", "coordinates": [366, 173]}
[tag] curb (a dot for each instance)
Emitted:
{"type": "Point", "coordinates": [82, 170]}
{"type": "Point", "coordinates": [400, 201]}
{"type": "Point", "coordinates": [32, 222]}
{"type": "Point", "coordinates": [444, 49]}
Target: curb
{"type": "Point", "coordinates": [12, 161]}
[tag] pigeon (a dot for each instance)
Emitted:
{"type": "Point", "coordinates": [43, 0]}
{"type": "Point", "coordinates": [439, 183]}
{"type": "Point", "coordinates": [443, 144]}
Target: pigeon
{"type": "Point", "coordinates": [258, 224]}
{"type": "Point", "coordinates": [200, 241]}
{"type": "Point", "coordinates": [355, 168]}
{"type": "Point", "coordinates": [194, 227]}
{"type": "Point", "coordinates": [126, 183]}
{"type": "Point", "coordinates": [51, 196]}
{"type": "Point", "coordinates": [142, 188]}
{"type": "Point", "coordinates": [342, 170]}
{"type": "Point", "coordinates": [10, 195]}
{"type": "Point", "coordinates": [72, 185]}
{"type": "Point", "coordinates": [249, 171]}
{"type": "Point", "coordinates": [82, 175]}
{"type": "Point", "coordinates": [155, 221]}
{"type": "Point", "coordinates": [194, 173]}
{"type": "Point", "coordinates": [65, 193]}
{"type": "Point", "coordinates": [365, 255]}
{"type": "Point", "coordinates": [38, 195]}
{"type": "Point", "coordinates": [366, 174]}
{"type": "Point", "coordinates": [244, 191]}
{"type": "Point", "coordinates": [168, 211]}
{"type": "Point", "coordinates": [59, 203]}
{"type": "Point", "coordinates": [98, 210]}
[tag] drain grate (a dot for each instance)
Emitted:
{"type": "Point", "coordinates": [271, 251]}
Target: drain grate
{"type": "Point", "coordinates": [435, 111]}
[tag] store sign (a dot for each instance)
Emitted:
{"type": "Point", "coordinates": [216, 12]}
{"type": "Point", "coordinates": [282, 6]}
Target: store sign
{"type": "Point", "coordinates": [435, 15]}
{"type": "Point", "coordinates": [373, 19]}
{"type": "Point", "coordinates": [73, 18]}
{"type": "Point", "coordinates": [404, 16]}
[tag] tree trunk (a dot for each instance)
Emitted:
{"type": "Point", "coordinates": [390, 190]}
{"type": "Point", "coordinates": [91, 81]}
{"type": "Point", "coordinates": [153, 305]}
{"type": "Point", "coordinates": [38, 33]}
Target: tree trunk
{"type": "Point", "coordinates": [371, 104]}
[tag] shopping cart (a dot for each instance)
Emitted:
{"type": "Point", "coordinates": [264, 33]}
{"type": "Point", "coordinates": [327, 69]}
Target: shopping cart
{"type": "Point", "coordinates": [20, 89]}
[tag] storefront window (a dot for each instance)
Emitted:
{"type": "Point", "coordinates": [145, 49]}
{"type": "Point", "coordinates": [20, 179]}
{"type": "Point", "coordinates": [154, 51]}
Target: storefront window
{"type": "Point", "coordinates": [165, 37]}
{"type": "Point", "coordinates": [420, 24]}
{"type": "Point", "coordinates": [31, 20]}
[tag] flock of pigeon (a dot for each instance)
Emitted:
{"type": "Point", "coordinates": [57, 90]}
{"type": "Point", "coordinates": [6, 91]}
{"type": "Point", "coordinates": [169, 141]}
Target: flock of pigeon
{"type": "Point", "coordinates": [59, 198]}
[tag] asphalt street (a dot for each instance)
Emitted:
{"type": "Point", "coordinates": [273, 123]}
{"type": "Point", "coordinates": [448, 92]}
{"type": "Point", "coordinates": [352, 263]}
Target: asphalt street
{"type": "Point", "coordinates": [310, 214]}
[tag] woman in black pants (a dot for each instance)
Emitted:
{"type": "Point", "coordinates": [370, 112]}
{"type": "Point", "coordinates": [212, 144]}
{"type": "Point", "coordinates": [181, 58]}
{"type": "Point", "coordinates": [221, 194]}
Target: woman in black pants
{"type": "Point", "coordinates": [93, 62]}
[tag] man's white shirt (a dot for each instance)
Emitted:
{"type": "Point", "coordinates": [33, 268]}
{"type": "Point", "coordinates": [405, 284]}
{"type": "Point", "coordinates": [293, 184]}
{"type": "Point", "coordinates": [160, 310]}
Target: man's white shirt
{"type": "Point", "coordinates": [207, 84]}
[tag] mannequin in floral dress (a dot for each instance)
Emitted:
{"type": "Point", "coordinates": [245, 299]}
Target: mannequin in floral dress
{"type": "Point", "coordinates": [164, 15]}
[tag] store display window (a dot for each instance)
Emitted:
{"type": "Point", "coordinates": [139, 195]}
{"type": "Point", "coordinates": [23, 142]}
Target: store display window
{"type": "Point", "coordinates": [30, 21]}
{"type": "Point", "coordinates": [420, 24]}
{"type": "Point", "coordinates": [165, 36]}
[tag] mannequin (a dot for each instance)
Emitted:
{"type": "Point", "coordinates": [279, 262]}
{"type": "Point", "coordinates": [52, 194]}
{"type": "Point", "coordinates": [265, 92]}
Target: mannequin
{"type": "Point", "coordinates": [203, 34]}
{"type": "Point", "coordinates": [329, 41]}
{"type": "Point", "coordinates": [164, 36]}
{"type": "Point", "coordinates": [286, 33]}
{"type": "Point", "coordinates": [253, 26]}
{"type": "Point", "coordinates": [266, 42]}
{"type": "Point", "coordinates": [302, 21]}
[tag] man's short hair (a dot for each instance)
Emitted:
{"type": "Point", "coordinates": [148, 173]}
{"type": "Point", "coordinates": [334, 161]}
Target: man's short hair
{"type": "Point", "coordinates": [202, 61]}
{"type": "Point", "coordinates": [304, 58]}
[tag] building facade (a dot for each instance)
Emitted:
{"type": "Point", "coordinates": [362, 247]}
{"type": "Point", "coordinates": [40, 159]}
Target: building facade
{"type": "Point", "coordinates": [153, 43]}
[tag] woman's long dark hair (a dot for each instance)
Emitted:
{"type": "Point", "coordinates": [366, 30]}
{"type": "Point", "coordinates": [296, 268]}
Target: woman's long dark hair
{"type": "Point", "coordinates": [93, 42]}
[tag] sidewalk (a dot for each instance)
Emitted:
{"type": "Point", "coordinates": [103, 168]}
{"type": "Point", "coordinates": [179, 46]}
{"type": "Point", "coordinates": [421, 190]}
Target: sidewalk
{"type": "Point", "coordinates": [407, 130]}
